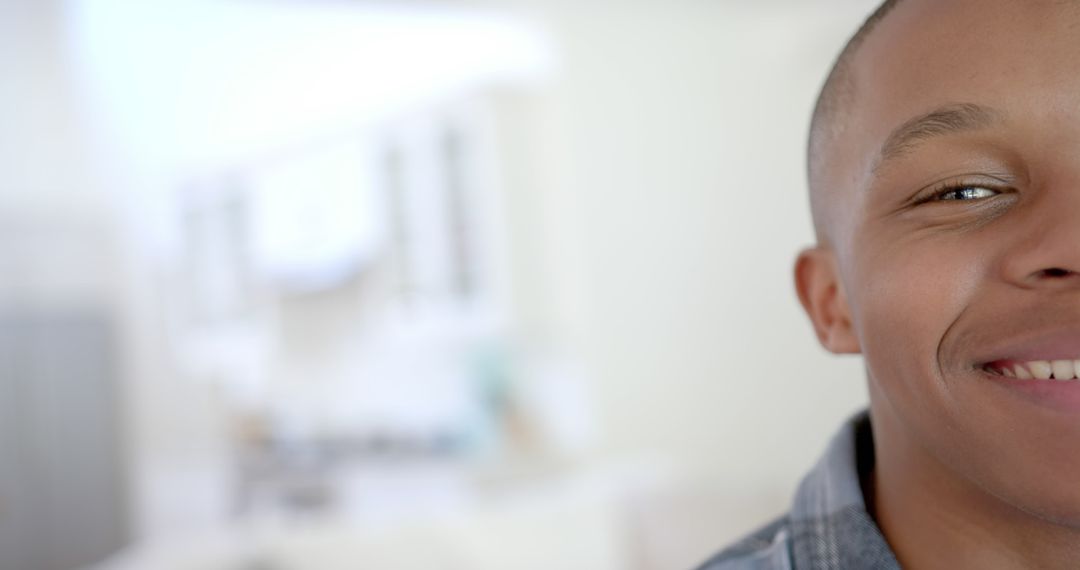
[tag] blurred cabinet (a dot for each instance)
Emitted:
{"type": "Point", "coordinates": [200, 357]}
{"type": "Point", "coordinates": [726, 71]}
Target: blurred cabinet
{"type": "Point", "coordinates": [61, 504]}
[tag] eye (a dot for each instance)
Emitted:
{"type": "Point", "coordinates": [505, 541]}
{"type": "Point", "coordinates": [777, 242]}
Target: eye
{"type": "Point", "coordinates": [959, 193]}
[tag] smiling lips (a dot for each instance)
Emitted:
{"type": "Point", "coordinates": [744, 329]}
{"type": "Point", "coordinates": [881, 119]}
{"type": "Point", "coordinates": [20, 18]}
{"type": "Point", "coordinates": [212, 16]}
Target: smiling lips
{"type": "Point", "coordinates": [1062, 370]}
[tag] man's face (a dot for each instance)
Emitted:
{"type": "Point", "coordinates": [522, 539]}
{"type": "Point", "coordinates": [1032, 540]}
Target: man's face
{"type": "Point", "coordinates": [960, 249]}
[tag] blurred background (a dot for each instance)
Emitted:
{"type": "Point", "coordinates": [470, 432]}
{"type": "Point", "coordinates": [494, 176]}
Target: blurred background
{"type": "Point", "coordinates": [428, 284]}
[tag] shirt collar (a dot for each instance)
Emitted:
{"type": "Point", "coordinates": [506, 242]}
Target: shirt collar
{"type": "Point", "coordinates": [833, 484]}
{"type": "Point", "coordinates": [831, 526]}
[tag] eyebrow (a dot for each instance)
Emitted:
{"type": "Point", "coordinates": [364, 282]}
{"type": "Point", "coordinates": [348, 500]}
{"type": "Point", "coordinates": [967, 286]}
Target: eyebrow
{"type": "Point", "coordinates": [949, 119]}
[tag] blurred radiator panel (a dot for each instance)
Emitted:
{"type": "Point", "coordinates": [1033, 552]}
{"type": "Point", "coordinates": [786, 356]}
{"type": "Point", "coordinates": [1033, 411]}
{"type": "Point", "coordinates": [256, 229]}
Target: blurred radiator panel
{"type": "Point", "coordinates": [61, 500]}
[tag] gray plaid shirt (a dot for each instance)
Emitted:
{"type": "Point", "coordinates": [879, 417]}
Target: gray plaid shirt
{"type": "Point", "coordinates": [828, 527]}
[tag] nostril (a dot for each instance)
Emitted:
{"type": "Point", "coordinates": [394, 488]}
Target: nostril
{"type": "Point", "coordinates": [1056, 272]}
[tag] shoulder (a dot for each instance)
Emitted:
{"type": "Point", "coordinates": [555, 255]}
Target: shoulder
{"type": "Point", "coordinates": [767, 548]}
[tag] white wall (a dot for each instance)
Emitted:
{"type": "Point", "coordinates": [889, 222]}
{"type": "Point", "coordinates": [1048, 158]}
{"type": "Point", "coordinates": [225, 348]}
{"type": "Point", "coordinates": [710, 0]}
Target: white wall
{"type": "Point", "coordinates": [49, 197]}
{"type": "Point", "coordinates": [676, 134]}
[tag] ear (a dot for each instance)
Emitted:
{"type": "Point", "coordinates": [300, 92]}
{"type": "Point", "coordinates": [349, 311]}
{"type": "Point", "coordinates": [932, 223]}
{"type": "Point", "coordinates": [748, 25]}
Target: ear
{"type": "Point", "coordinates": [817, 280]}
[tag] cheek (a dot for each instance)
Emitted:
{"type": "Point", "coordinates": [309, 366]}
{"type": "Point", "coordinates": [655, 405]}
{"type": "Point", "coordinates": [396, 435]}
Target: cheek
{"type": "Point", "coordinates": [905, 296]}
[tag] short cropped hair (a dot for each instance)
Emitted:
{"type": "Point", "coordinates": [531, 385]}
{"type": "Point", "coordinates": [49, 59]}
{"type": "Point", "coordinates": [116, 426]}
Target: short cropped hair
{"type": "Point", "coordinates": [836, 98]}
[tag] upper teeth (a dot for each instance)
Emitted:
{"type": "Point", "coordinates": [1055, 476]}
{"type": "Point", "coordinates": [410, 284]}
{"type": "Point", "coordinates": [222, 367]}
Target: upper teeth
{"type": "Point", "coordinates": [1042, 370]}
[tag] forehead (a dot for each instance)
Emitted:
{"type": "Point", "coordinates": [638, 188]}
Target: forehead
{"type": "Point", "coordinates": [1020, 56]}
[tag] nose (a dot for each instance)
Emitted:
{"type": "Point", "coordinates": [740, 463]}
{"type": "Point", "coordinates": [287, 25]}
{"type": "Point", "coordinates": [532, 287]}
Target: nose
{"type": "Point", "coordinates": [1045, 252]}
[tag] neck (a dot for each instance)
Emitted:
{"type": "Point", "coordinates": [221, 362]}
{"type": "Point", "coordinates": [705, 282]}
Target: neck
{"type": "Point", "coordinates": [933, 518]}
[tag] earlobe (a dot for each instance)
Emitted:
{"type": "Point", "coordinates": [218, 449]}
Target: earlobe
{"type": "Point", "coordinates": [817, 280]}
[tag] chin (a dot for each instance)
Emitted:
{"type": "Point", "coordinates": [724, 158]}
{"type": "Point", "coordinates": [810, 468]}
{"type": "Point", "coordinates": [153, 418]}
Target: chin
{"type": "Point", "coordinates": [1060, 512]}
{"type": "Point", "coordinates": [1038, 482]}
